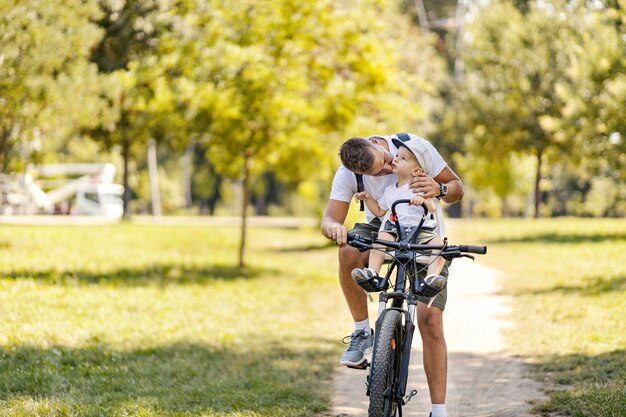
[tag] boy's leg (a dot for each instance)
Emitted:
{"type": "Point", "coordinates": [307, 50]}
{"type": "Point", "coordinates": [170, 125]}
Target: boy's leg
{"type": "Point", "coordinates": [377, 257]}
{"type": "Point", "coordinates": [436, 262]}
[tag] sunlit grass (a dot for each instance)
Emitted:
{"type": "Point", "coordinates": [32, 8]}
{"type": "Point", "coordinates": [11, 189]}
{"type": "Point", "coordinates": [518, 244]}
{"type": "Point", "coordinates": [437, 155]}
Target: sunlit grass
{"type": "Point", "coordinates": [568, 282]}
{"type": "Point", "coordinates": [155, 320]}
{"type": "Point", "coordinates": [149, 320]}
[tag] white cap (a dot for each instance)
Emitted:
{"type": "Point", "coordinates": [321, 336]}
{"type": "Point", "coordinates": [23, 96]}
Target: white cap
{"type": "Point", "coordinates": [418, 147]}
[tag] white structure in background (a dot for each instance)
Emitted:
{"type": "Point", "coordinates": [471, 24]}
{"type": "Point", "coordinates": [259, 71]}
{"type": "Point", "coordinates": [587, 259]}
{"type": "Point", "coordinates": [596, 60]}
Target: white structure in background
{"type": "Point", "coordinates": [81, 188]}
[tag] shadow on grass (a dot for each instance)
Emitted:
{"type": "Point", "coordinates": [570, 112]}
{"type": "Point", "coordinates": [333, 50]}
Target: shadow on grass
{"type": "Point", "coordinates": [593, 286]}
{"type": "Point", "coordinates": [194, 379]}
{"type": "Point", "coordinates": [308, 248]}
{"type": "Point", "coordinates": [563, 238]}
{"type": "Point", "coordinates": [590, 385]}
{"type": "Point", "coordinates": [151, 275]}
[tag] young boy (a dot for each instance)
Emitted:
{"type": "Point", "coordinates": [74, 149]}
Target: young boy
{"type": "Point", "coordinates": [406, 166]}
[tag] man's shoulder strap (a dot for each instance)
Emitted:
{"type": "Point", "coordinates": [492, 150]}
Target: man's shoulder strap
{"type": "Point", "coordinates": [360, 187]}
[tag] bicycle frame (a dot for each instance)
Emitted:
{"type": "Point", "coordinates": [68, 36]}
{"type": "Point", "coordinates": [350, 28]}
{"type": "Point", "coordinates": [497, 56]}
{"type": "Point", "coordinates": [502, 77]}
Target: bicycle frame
{"type": "Point", "coordinates": [406, 271]}
{"type": "Point", "coordinates": [401, 296]}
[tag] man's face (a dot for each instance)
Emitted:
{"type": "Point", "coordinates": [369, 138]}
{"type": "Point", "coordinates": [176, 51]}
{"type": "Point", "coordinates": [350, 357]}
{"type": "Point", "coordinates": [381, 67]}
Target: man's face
{"type": "Point", "coordinates": [382, 162]}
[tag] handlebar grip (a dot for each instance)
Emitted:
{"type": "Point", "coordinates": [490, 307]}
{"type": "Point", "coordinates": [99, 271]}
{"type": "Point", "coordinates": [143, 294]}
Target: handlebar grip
{"type": "Point", "coordinates": [355, 237]}
{"type": "Point", "coordinates": [481, 250]}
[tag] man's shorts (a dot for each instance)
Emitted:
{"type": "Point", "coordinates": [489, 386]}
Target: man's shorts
{"type": "Point", "coordinates": [371, 228]}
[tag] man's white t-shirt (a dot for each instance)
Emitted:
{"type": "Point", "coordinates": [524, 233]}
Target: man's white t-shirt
{"type": "Point", "coordinates": [345, 186]}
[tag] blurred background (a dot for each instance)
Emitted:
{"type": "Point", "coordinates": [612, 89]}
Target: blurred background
{"type": "Point", "coordinates": [193, 118]}
{"type": "Point", "coordinates": [251, 100]}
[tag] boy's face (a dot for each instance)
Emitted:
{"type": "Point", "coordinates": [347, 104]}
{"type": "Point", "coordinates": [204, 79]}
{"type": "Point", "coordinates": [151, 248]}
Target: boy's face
{"type": "Point", "coordinates": [405, 164]}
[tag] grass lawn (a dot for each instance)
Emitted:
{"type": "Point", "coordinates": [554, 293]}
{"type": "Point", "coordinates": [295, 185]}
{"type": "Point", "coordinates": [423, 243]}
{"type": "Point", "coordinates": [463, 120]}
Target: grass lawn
{"type": "Point", "coordinates": [568, 282]}
{"type": "Point", "coordinates": [148, 320]}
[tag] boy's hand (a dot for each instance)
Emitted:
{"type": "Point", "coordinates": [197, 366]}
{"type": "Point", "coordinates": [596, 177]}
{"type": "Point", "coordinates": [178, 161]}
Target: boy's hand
{"type": "Point", "coordinates": [363, 195]}
{"type": "Point", "coordinates": [417, 200]}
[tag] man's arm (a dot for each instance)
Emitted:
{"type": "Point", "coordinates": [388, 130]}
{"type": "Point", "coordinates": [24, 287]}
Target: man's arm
{"type": "Point", "coordinates": [429, 187]}
{"type": "Point", "coordinates": [332, 222]}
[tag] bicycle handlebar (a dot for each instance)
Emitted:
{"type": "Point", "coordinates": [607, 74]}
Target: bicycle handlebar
{"type": "Point", "coordinates": [481, 250]}
{"type": "Point", "coordinates": [366, 243]}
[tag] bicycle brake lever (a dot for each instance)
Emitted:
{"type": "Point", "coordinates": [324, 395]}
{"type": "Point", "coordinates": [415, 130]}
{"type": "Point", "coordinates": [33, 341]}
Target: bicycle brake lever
{"type": "Point", "coordinates": [469, 256]}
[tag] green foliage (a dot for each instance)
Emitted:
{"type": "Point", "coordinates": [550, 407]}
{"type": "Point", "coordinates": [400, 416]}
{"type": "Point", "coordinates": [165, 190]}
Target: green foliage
{"type": "Point", "coordinates": [273, 86]}
{"type": "Point", "coordinates": [597, 103]}
{"type": "Point", "coordinates": [275, 83]}
{"type": "Point", "coordinates": [540, 84]}
{"type": "Point", "coordinates": [48, 89]}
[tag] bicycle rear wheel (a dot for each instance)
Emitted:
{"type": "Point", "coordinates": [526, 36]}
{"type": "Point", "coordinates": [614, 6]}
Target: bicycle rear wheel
{"type": "Point", "coordinates": [383, 382]}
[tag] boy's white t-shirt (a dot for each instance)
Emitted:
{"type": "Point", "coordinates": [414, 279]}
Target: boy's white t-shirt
{"type": "Point", "coordinates": [345, 186]}
{"type": "Point", "coordinates": [408, 215]}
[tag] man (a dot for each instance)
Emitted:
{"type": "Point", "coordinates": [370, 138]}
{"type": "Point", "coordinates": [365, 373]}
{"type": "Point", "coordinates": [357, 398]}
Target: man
{"type": "Point", "coordinates": [373, 158]}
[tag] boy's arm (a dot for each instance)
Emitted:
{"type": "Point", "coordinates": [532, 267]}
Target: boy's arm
{"type": "Point", "coordinates": [430, 203]}
{"type": "Point", "coordinates": [371, 203]}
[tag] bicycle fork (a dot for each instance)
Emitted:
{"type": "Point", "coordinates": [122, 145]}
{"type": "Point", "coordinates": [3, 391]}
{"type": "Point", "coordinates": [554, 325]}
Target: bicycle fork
{"type": "Point", "coordinates": [409, 327]}
{"type": "Point", "coordinates": [409, 330]}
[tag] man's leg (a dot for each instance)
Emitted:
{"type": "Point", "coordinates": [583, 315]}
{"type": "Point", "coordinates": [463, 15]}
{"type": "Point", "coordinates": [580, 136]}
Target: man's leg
{"type": "Point", "coordinates": [361, 340]}
{"type": "Point", "coordinates": [349, 259]}
{"type": "Point", "coordinates": [430, 323]}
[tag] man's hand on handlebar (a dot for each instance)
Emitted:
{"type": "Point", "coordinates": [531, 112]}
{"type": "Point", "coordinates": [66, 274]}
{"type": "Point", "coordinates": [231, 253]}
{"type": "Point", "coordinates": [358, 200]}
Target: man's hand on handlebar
{"type": "Point", "coordinates": [338, 233]}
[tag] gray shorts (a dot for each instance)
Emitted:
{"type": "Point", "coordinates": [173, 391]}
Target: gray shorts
{"type": "Point", "coordinates": [367, 229]}
{"type": "Point", "coordinates": [371, 228]}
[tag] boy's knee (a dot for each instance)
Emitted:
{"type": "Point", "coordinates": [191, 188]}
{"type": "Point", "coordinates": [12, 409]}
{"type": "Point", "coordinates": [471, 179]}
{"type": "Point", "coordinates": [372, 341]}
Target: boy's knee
{"type": "Point", "coordinates": [438, 240]}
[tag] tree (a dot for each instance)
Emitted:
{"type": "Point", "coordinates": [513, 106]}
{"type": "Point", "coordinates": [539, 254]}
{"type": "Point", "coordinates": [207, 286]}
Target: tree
{"type": "Point", "coordinates": [521, 75]}
{"type": "Point", "coordinates": [47, 86]}
{"type": "Point", "coordinates": [597, 103]}
{"type": "Point", "coordinates": [136, 95]}
{"type": "Point", "coordinates": [272, 85]}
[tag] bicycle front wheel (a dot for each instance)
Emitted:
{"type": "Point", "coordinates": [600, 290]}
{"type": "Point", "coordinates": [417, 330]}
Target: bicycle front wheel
{"type": "Point", "coordinates": [385, 371]}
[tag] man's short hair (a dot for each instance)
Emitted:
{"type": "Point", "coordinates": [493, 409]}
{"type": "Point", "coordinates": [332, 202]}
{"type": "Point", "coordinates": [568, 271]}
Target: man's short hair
{"type": "Point", "coordinates": [356, 154]}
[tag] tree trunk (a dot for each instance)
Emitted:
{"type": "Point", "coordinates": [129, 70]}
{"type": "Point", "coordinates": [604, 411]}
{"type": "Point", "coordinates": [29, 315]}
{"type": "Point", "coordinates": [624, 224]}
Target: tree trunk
{"type": "Point", "coordinates": [187, 162]}
{"type": "Point", "coordinates": [5, 148]}
{"type": "Point", "coordinates": [153, 172]}
{"type": "Point", "coordinates": [260, 205]}
{"type": "Point", "coordinates": [537, 181]}
{"type": "Point", "coordinates": [4, 138]}
{"type": "Point", "coordinates": [126, 157]}
{"type": "Point", "coordinates": [244, 207]}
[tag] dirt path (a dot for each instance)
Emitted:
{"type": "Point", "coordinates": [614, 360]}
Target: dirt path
{"type": "Point", "coordinates": [484, 380]}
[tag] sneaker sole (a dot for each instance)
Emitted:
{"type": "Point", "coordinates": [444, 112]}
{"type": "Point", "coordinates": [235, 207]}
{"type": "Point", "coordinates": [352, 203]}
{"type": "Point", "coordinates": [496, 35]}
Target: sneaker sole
{"type": "Point", "coordinates": [366, 354]}
{"type": "Point", "coordinates": [358, 278]}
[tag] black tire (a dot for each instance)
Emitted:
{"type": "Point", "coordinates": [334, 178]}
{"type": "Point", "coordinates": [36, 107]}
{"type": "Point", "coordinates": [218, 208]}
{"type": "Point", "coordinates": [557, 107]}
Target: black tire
{"type": "Point", "coordinates": [385, 365]}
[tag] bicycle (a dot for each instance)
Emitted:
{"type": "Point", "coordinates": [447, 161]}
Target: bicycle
{"type": "Point", "coordinates": [395, 325]}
